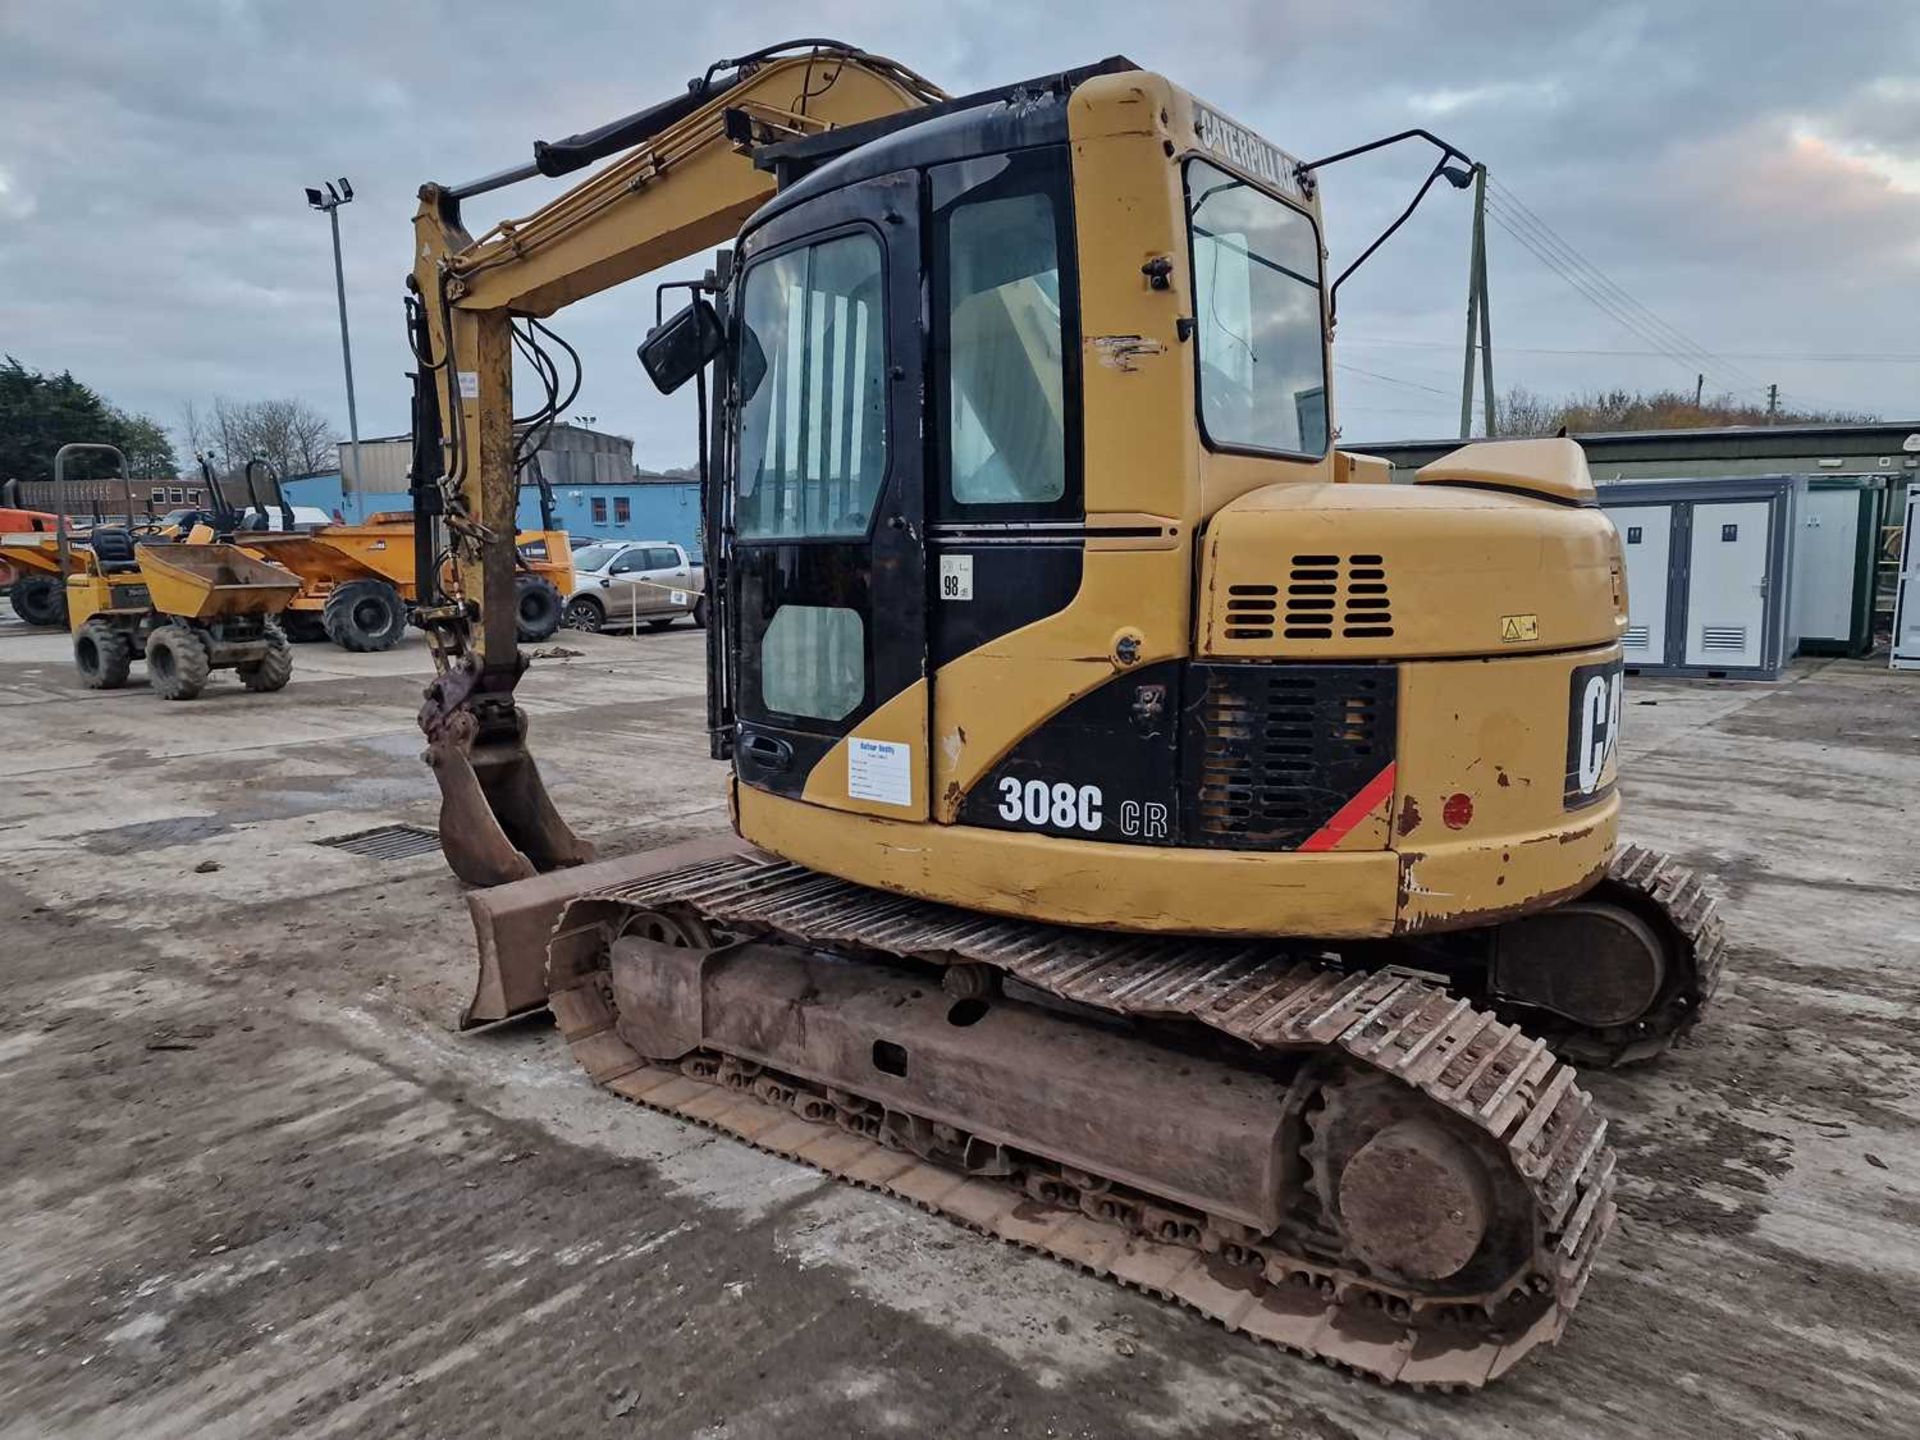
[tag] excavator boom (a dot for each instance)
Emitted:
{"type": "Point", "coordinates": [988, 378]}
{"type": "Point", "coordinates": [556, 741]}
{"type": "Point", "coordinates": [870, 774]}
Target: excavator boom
{"type": "Point", "coordinates": [684, 182]}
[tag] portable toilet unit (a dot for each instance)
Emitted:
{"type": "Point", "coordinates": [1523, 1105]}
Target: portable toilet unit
{"type": "Point", "coordinates": [1709, 573]}
{"type": "Point", "coordinates": [1835, 563]}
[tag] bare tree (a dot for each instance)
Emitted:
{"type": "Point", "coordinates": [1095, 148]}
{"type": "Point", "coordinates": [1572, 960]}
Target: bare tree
{"type": "Point", "coordinates": [290, 435]}
{"type": "Point", "coordinates": [296, 438]}
{"type": "Point", "coordinates": [1522, 413]}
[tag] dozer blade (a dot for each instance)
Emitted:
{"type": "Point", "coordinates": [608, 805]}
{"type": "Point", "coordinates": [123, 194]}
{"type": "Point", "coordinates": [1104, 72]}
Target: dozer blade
{"type": "Point", "coordinates": [513, 923]}
{"type": "Point", "coordinates": [497, 823]}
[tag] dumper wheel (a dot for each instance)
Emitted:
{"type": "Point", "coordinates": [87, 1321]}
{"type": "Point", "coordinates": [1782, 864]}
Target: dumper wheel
{"type": "Point", "coordinates": [540, 607]}
{"type": "Point", "coordinates": [304, 627]}
{"type": "Point", "coordinates": [103, 654]}
{"type": "Point", "coordinates": [40, 600]}
{"type": "Point", "coordinates": [273, 670]}
{"type": "Point", "coordinates": [177, 662]}
{"type": "Point", "coordinates": [365, 615]}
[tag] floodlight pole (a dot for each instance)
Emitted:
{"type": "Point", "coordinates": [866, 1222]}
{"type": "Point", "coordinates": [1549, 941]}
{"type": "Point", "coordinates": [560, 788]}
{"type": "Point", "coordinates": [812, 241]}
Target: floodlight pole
{"type": "Point", "coordinates": [331, 204]}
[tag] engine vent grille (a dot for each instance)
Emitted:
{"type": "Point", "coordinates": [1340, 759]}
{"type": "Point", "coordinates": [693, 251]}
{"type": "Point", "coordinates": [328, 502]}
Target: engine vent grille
{"type": "Point", "coordinates": [1251, 610]}
{"type": "Point", "coordinates": [1335, 595]}
{"type": "Point", "coordinates": [1272, 751]}
{"type": "Point", "coordinates": [1723, 637]}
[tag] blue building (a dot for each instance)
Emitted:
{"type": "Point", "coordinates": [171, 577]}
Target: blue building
{"type": "Point", "coordinates": [597, 492]}
{"type": "Point", "coordinates": [666, 507]}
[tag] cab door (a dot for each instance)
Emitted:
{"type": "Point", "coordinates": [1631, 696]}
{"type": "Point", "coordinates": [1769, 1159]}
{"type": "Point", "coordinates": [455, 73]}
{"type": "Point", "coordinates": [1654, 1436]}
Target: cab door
{"type": "Point", "coordinates": [828, 583]}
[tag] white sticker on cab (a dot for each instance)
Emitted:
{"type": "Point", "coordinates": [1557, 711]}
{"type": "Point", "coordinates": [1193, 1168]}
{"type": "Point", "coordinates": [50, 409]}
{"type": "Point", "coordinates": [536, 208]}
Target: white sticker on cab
{"type": "Point", "coordinates": [956, 577]}
{"type": "Point", "coordinates": [879, 770]}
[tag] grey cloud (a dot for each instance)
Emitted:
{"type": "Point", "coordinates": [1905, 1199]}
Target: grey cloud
{"type": "Point", "coordinates": [153, 236]}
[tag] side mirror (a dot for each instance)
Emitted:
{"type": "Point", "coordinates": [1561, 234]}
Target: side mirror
{"type": "Point", "coordinates": [677, 349]}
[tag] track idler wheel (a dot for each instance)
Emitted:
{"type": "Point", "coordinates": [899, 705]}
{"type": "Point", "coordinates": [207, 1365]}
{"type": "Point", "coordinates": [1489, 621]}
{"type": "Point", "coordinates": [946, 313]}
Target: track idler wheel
{"type": "Point", "coordinates": [1423, 1203]}
{"type": "Point", "coordinates": [1413, 1201]}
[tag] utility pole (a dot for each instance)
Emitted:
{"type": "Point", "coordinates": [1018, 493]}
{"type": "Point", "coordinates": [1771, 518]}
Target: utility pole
{"type": "Point", "coordinates": [1699, 384]}
{"type": "Point", "coordinates": [331, 202]}
{"type": "Point", "coordinates": [1773, 403]}
{"type": "Point", "coordinates": [1479, 317]}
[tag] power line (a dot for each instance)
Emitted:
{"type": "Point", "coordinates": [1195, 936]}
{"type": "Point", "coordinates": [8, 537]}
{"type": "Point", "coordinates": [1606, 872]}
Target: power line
{"type": "Point", "coordinates": [1667, 334]}
{"type": "Point", "coordinates": [1670, 335]}
{"type": "Point", "coordinates": [1779, 357]}
{"type": "Point", "coordinates": [1392, 379]}
{"type": "Point", "coordinates": [1615, 303]}
{"type": "Point", "coordinates": [1598, 296]}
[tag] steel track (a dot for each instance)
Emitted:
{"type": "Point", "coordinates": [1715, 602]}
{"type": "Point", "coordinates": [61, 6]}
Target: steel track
{"type": "Point", "coordinates": [1485, 1072]}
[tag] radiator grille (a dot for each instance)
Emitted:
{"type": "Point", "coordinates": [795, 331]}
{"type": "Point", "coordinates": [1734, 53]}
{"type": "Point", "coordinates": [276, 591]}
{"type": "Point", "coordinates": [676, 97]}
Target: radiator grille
{"type": "Point", "coordinates": [1274, 750]}
{"type": "Point", "coordinates": [1723, 637]}
{"type": "Point", "coordinates": [1335, 595]}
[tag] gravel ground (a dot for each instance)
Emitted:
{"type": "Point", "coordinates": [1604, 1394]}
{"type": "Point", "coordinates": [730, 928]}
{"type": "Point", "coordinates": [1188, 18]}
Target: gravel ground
{"type": "Point", "coordinates": [253, 1184]}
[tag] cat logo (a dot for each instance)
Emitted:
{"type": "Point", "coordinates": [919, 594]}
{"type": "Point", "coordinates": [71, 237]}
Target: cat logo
{"type": "Point", "coordinates": [1593, 732]}
{"type": "Point", "coordinates": [1515, 628]}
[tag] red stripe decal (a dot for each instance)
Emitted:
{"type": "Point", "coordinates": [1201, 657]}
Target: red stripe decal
{"type": "Point", "coordinates": [1352, 813]}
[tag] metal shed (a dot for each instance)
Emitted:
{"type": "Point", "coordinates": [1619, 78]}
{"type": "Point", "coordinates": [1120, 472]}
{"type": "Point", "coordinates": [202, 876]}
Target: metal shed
{"type": "Point", "coordinates": [1835, 563]}
{"type": "Point", "coordinates": [1709, 573]}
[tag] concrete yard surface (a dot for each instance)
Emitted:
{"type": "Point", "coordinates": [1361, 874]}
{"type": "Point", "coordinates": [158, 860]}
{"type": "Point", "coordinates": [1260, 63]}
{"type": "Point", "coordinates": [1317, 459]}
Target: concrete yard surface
{"type": "Point", "coordinates": [253, 1184]}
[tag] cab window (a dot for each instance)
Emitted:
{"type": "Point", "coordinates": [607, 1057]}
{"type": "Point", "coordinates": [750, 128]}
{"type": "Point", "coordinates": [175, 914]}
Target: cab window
{"type": "Point", "coordinates": [1256, 285]}
{"type": "Point", "coordinates": [1005, 337]}
{"type": "Point", "coordinates": [812, 376]}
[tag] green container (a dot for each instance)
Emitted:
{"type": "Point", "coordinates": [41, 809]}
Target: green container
{"type": "Point", "coordinates": [1835, 558]}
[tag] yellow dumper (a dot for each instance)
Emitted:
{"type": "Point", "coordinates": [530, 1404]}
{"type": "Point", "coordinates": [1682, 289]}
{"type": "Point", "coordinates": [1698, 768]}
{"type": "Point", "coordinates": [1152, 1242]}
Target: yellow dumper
{"type": "Point", "coordinates": [187, 609]}
{"type": "Point", "coordinates": [358, 582]}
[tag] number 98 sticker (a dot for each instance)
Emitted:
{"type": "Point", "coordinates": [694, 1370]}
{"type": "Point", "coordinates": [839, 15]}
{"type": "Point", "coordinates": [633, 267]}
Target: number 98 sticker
{"type": "Point", "coordinates": [1593, 732]}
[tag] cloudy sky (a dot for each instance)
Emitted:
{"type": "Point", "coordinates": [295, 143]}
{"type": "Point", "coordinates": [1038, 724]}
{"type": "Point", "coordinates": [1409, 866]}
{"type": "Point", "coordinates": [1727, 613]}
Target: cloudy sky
{"type": "Point", "coordinates": [1746, 170]}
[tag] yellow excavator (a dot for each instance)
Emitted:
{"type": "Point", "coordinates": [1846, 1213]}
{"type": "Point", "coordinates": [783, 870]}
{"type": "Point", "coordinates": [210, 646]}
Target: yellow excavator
{"type": "Point", "coordinates": [1161, 842]}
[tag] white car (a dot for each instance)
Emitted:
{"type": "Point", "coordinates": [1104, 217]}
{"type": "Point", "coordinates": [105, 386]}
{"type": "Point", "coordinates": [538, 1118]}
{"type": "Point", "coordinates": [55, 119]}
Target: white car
{"type": "Point", "coordinates": [628, 583]}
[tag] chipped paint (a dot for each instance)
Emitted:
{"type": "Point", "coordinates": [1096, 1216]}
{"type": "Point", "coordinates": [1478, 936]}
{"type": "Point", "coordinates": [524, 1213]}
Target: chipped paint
{"type": "Point", "coordinates": [1119, 352]}
{"type": "Point", "coordinates": [1409, 816]}
{"type": "Point", "coordinates": [1472, 916]}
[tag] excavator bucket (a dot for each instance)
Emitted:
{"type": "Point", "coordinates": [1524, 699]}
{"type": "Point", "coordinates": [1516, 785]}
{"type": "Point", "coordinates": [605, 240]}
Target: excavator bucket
{"type": "Point", "coordinates": [496, 821]}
